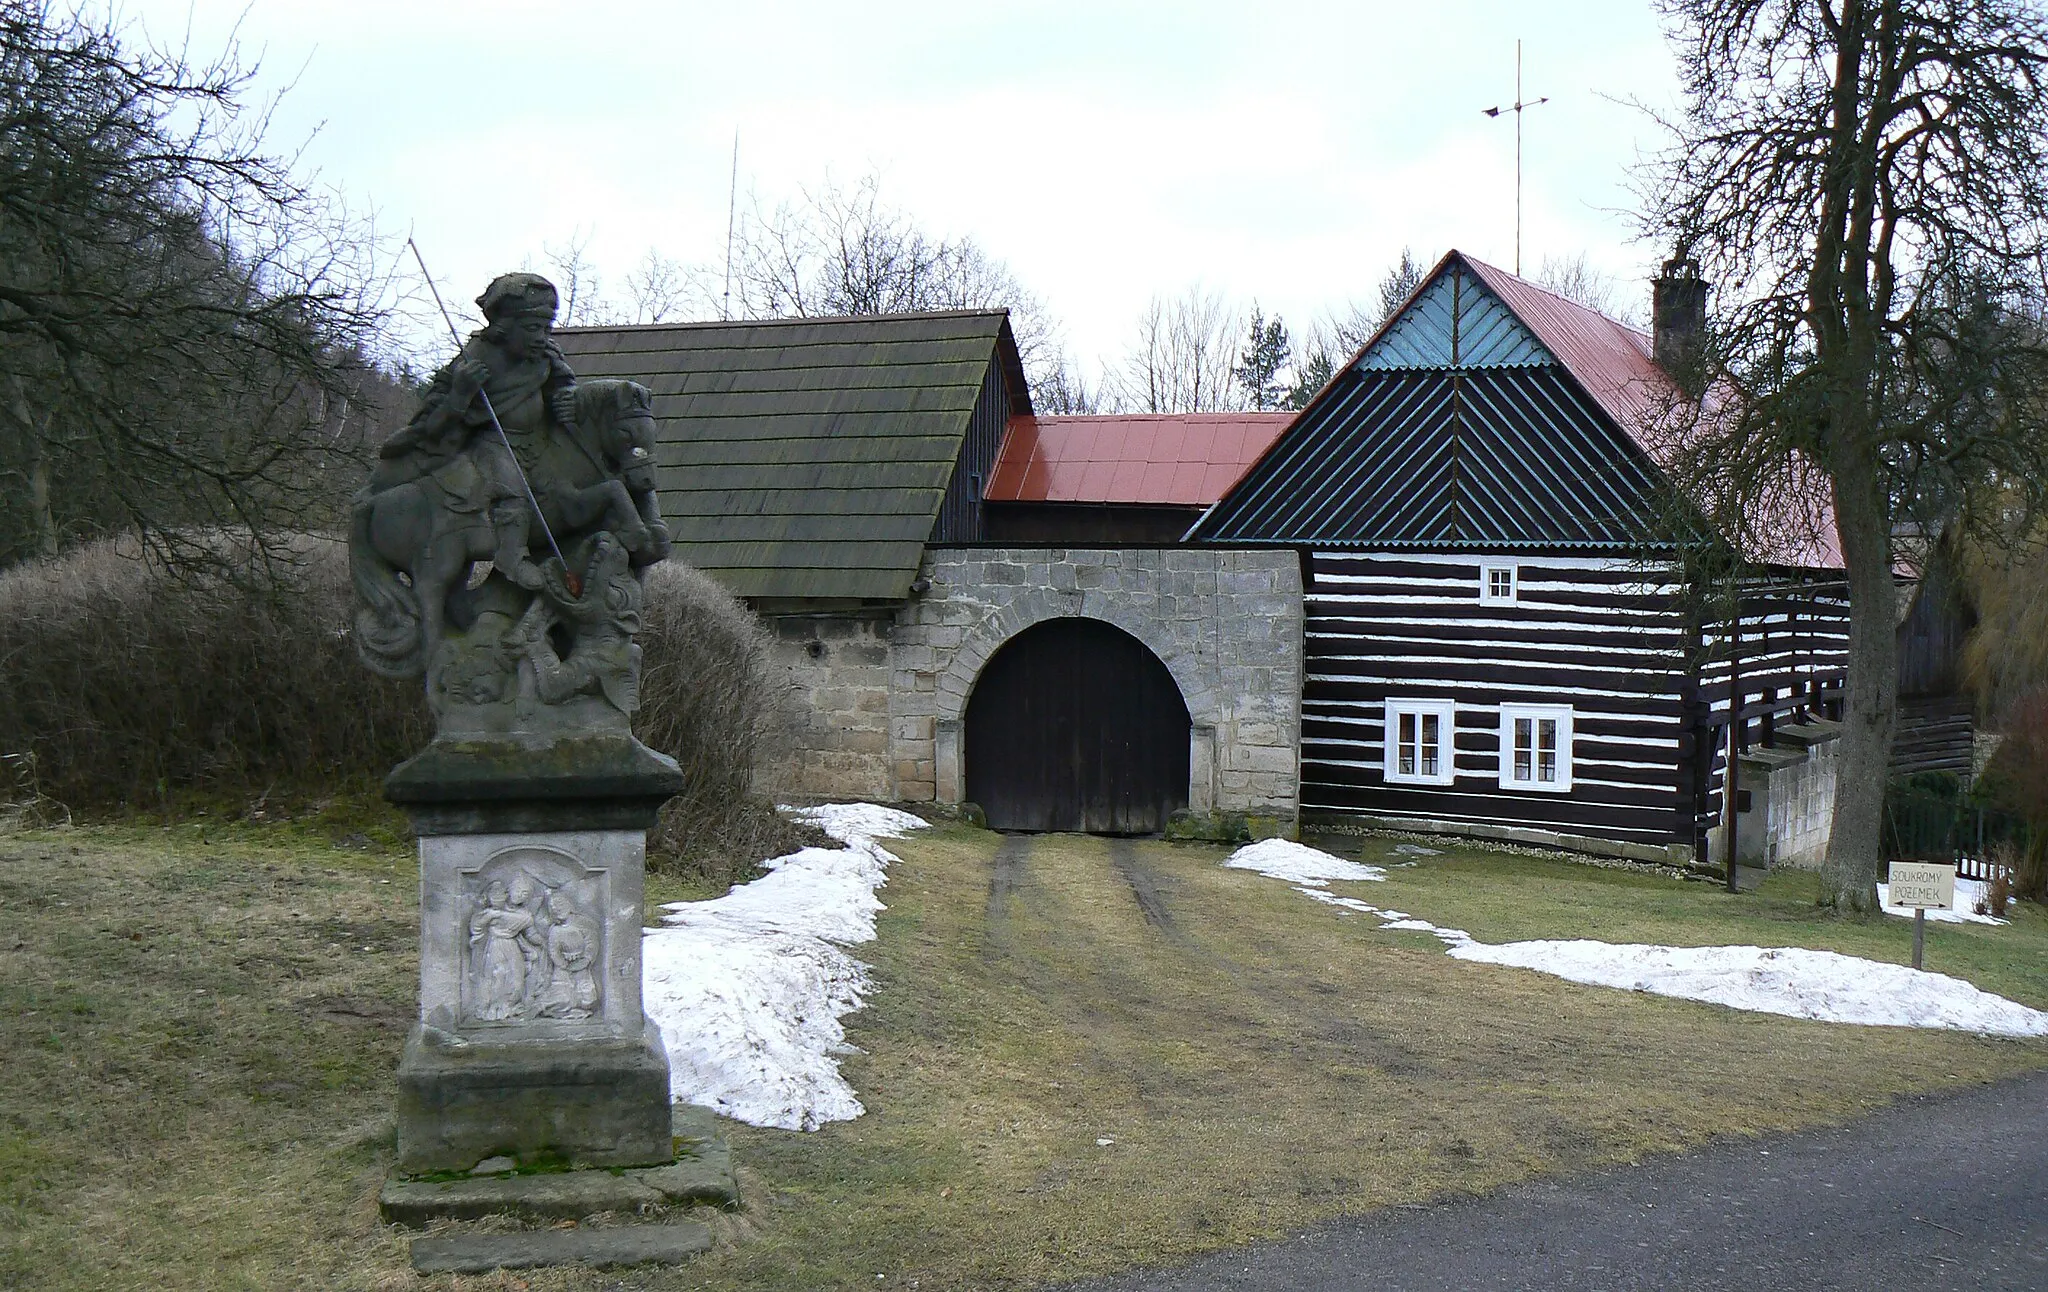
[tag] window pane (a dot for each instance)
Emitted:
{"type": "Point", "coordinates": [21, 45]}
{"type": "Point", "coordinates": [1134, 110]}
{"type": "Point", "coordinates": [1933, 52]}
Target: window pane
{"type": "Point", "coordinates": [1431, 740]}
{"type": "Point", "coordinates": [1405, 744]}
{"type": "Point", "coordinates": [1546, 760]}
{"type": "Point", "coordinates": [1501, 583]}
{"type": "Point", "coordinates": [1521, 749]}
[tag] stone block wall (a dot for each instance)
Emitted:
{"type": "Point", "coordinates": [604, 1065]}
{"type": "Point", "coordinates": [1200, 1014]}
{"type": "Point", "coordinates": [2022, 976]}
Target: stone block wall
{"type": "Point", "coordinates": [1791, 789]}
{"type": "Point", "coordinates": [879, 701]}
{"type": "Point", "coordinates": [1800, 813]}
{"type": "Point", "coordinates": [836, 706]}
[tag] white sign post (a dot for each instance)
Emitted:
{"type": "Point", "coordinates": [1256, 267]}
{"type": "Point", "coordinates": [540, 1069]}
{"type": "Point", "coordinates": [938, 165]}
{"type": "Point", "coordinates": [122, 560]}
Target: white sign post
{"type": "Point", "coordinates": [1922, 885]}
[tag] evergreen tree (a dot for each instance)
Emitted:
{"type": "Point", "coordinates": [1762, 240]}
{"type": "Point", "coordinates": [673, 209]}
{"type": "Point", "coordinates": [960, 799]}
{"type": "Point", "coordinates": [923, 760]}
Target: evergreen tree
{"type": "Point", "coordinates": [1266, 355]}
{"type": "Point", "coordinates": [1310, 376]}
{"type": "Point", "coordinates": [1398, 285]}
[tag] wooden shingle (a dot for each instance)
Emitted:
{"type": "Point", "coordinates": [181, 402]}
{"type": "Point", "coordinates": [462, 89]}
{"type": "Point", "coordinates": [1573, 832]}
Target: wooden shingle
{"type": "Point", "coordinates": [809, 458]}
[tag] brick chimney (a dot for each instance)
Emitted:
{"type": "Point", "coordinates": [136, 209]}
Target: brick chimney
{"type": "Point", "coordinates": [1678, 313]}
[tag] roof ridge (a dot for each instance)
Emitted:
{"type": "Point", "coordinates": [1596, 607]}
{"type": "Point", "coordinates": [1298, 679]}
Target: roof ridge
{"type": "Point", "coordinates": [1554, 294]}
{"type": "Point", "coordinates": [791, 320]}
{"type": "Point", "coordinates": [1281, 413]}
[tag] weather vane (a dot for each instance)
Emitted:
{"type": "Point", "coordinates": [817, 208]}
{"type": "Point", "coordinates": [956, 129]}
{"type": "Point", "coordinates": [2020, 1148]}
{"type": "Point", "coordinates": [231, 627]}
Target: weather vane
{"type": "Point", "coordinates": [1517, 108]}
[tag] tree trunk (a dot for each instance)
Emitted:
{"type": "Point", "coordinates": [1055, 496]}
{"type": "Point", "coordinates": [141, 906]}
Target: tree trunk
{"type": "Point", "coordinates": [39, 502]}
{"type": "Point", "coordinates": [32, 431]}
{"type": "Point", "coordinates": [1854, 861]}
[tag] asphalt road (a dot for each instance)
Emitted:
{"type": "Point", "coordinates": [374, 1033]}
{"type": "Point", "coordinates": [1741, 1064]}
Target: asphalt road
{"type": "Point", "coordinates": [1947, 1192]}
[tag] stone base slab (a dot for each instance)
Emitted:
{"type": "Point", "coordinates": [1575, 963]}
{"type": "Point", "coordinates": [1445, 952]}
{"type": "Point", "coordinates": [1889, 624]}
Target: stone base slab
{"type": "Point", "coordinates": [495, 785]}
{"type": "Point", "coordinates": [627, 1245]}
{"type": "Point", "coordinates": [558, 1195]}
{"type": "Point", "coordinates": [595, 1102]}
{"type": "Point", "coordinates": [701, 1174]}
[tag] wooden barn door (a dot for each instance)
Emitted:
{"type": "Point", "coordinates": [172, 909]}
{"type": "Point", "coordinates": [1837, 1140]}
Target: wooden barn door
{"type": "Point", "coordinates": [1074, 725]}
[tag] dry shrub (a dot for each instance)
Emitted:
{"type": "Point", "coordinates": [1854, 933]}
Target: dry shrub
{"type": "Point", "coordinates": [2016, 780]}
{"type": "Point", "coordinates": [707, 699]}
{"type": "Point", "coordinates": [127, 685]}
{"type": "Point", "coordinates": [1998, 893]}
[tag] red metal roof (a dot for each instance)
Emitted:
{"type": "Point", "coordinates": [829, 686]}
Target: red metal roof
{"type": "Point", "coordinates": [1162, 459]}
{"type": "Point", "coordinates": [1614, 363]}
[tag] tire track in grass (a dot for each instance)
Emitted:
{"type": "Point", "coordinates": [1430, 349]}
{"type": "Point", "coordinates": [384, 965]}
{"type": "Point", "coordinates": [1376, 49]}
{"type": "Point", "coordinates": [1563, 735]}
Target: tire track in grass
{"type": "Point", "coordinates": [1006, 878]}
{"type": "Point", "coordinates": [1144, 885]}
{"type": "Point", "coordinates": [1319, 1014]}
{"type": "Point", "coordinates": [1006, 874]}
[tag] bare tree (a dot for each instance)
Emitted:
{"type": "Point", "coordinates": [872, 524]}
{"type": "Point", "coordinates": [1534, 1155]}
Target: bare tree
{"type": "Point", "coordinates": [1867, 182]}
{"type": "Point", "coordinates": [579, 281]}
{"type": "Point", "coordinates": [658, 290]}
{"type": "Point", "coordinates": [184, 324]}
{"type": "Point", "coordinates": [1330, 341]}
{"type": "Point", "coordinates": [1183, 356]}
{"type": "Point", "coordinates": [1061, 387]}
{"type": "Point", "coordinates": [841, 251]}
{"type": "Point", "coordinates": [1575, 279]}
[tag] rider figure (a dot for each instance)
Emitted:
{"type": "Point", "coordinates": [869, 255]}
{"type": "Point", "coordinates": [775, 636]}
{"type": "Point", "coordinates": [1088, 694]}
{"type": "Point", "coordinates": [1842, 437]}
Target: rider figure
{"type": "Point", "coordinates": [531, 387]}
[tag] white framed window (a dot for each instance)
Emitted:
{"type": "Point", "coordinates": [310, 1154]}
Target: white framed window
{"type": "Point", "coordinates": [1499, 582]}
{"type": "Point", "coordinates": [1536, 747]}
{"type": "Point", "coordinates": [1422, 742]}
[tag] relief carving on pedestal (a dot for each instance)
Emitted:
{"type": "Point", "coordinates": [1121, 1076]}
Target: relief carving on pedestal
{"type": "Point", "coordinates": [534, 941]}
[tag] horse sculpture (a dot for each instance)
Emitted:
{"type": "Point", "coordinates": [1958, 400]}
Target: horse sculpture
{"type": "Point", "coordinates": [412, 552]}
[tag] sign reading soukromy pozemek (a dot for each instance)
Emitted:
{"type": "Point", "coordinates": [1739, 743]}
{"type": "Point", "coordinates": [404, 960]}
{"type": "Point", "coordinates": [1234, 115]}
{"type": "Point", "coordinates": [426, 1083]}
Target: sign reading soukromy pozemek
{"type": "Point", "coordinates": [1922, 885]}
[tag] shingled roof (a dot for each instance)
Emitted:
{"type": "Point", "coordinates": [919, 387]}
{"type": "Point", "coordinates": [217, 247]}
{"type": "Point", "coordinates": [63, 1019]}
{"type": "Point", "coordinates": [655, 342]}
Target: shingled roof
{"type": "Point", "coordinates": [809, 458]}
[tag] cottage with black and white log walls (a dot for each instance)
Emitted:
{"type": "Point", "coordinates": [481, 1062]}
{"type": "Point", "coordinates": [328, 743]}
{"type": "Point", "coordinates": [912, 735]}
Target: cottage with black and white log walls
{"type": "Point", "coordinates": [1494, 644]}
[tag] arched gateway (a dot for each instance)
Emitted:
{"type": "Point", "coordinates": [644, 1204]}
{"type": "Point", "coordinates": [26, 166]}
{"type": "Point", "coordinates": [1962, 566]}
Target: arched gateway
{"type": "Point", "coordinates": [1075, 725]}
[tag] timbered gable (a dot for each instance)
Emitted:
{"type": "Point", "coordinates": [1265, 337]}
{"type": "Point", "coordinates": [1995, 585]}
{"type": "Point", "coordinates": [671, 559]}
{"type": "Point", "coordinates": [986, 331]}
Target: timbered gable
{"type": "Point", "coordinates": [1456, 426]}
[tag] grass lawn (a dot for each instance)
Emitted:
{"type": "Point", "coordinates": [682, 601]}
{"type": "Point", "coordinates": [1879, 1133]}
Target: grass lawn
{"type": "Point", "coordinates": [1081, 1055]}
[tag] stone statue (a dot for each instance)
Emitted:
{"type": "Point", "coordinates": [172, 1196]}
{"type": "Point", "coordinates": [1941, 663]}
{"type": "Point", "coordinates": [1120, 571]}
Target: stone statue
{"type": "Point", "coordinates": [556, 495]}
{"type": "Point", "coordinates": [497, 550]}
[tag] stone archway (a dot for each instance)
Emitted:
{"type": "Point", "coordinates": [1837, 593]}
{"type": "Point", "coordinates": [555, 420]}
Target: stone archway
{"type": "Point", "coordinates": [1075, 726]}
{"type": "Point", "coordinates": [956, 681]}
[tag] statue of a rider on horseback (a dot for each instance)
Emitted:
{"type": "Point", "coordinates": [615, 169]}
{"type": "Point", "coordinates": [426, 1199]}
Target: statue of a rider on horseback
{"type": "Point", "coordinates": [507, 459]}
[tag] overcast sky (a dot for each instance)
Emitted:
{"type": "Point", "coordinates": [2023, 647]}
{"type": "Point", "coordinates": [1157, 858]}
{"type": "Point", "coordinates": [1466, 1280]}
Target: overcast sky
{"type": "Point", "coordinates": [1107, 152]}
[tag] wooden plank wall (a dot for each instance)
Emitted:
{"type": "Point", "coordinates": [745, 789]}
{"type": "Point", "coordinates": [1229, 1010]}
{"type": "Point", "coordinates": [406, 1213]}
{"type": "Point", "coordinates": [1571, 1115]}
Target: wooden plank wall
{"type": "Point", "coordinates": [1792, 634]}
{"type": "Point", "coordinates": [1590, 632]}
{"type": "Point", "coordinates": [1934, 734]}
{"type": "Point", "coordinates": [1791, 644]}
{"type": "Point", "coordinates": [961, 518]}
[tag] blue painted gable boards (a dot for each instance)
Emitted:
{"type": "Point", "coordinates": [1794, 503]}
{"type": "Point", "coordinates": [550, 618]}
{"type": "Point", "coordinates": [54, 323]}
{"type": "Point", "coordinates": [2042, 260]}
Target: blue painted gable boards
{"type": "Point", "coordinates": [1454, 321]}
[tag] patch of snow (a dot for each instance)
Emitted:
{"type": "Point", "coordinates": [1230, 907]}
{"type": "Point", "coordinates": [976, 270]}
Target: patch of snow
{"type": "Point", "coordinates": [1348, 903]}
{"type": "Point", "coordinates": [1298, 863]}
{"type": "Point", "coordinates": [848, 822]}
{"type": "Point", "coordinates": [1791, 981]}
{"type": "Point", "coordinates": [748, 989]}
{"type": "Point", "coordinates": [1416, 850]}
{"type": "Point", "coordinates": [1963, 910]}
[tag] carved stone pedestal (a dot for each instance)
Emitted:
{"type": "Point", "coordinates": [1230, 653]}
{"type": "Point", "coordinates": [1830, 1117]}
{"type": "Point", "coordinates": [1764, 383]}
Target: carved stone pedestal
{"type": "Point", "coordinates": [531, 1044]}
